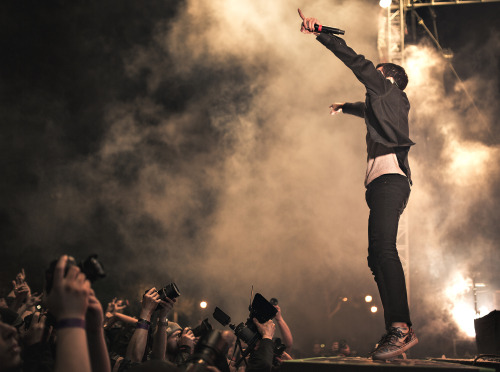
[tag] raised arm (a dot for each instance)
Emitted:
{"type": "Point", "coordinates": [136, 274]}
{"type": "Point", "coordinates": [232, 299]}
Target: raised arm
{"type": "Point", "coordinates": [138, 342]}
{"type": "Point", "coordinates": [160, 337]}
{"type": "Point", "coordinates": [68, 301]}
{"type": "Point", "coordinates": [284, 329]}
{"type": "Point", "coordinates": [98, 350]}
{"type": "Point", "coordinates": [363, 69]}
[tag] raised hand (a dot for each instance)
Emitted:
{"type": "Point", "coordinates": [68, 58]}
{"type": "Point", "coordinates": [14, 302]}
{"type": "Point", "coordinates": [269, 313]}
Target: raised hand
{"type": "Point", "coordinates": [307, 26]}
{"type": "Point", "coordinates": [336, 108]}
{"type": "Point", "coordinates": [69, 296]}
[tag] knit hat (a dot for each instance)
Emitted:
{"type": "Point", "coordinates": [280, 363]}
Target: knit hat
{"type": "Point", "coordinates": [172, 327]}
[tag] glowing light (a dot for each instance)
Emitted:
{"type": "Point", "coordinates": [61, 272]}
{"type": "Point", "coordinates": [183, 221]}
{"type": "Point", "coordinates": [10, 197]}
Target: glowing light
{"type": "Point", "coordinates": [469, 161]}
{"type": "Point", "coordinates": [461, 303]}
{"type": "Point", "coordinates": [203, 304]}
{"type": "Point", "coordinates": [385, 3]}
{"type": "Point", "coordinates": [368, 298]}
{"type": "Point", "coordinates": [374, 309]}
{"type": "Point", "coordinates": [345, 299]}
{"type": "Point", "coordinates": [464, 314]}
{"type": "Point", "coordinates": [480, 285]}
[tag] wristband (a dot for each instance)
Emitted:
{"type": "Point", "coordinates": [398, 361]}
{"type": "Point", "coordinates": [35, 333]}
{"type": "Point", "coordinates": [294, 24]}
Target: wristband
{"type": "Point", "coordinates": [143, 324]}
{"type": "Point", "coordinates": [70, 323]}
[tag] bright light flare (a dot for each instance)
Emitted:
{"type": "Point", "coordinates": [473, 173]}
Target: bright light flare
{"type": "Point", "coordinates": [203, 304]}
{"type": "Point", "coordinates": [345, 299]}
{"type": "Point", "coordinates": [462, 310]}
{"type": "Point", "coordinates": [374, 309]}
{"type": "Point", "coordinates": [469, 161]}
{"type": "Point", "coordinates": [368, 298]}
{"type": "Point", "coordinates": [385, 3]}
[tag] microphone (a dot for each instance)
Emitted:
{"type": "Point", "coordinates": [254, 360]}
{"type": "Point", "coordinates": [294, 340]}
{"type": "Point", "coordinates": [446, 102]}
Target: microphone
{"type": "Point", "coordinates": [328, 30]}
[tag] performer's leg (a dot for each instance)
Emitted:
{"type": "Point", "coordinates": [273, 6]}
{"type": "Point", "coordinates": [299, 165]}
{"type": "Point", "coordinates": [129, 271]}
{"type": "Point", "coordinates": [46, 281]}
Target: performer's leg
{"type": "Point", "coordinates": [386, 197]}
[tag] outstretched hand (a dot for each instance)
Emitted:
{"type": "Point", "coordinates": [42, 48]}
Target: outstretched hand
{"type": "Point", "coordinates": [336, 108]}
{"type": "Point", "coordinates": [307, 26]}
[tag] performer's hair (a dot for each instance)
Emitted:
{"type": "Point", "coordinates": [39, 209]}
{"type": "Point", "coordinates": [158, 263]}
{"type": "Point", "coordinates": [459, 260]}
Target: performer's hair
{"type": "Point", "coordinates": [397, 72]}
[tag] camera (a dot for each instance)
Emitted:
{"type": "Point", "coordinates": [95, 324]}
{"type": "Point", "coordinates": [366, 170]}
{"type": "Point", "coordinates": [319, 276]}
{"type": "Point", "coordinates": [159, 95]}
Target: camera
{"type": "Point", "coordinates": [260, 309]}
{"type": "Point", "coordinates": [211, 350]}
{"type": "Point", "coordinates": [91, 267]}
{"type": "Point", "coordinates": [278, 349]}
{"type": "Point", "coordinates": [169, 291]}
{"type": "Point", "coordinates": [201, 330]}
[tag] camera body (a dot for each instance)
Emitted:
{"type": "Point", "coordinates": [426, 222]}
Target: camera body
{"type": "Point", "coordinates": [260, 309]}
{"type": "Point", "coordinates": [91, 267]}
{"type": "Point", "coordinates": [201, 330]}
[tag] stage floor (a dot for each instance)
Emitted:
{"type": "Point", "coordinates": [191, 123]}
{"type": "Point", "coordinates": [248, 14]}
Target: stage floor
{"type": "Point", "coordinates": [345, 364]}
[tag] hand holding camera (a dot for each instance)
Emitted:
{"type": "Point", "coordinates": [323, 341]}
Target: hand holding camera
{"type": "Point", "coordinates": [266, 329]}
{"type": "Point", "coordinates": [150, 301]}
{"type": "Point", "coordinates": [69, 296]}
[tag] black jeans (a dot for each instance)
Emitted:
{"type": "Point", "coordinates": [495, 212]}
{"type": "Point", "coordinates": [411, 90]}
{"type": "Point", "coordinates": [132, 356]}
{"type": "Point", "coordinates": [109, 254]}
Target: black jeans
{"type": "Point", "coordinates": [386, 197]}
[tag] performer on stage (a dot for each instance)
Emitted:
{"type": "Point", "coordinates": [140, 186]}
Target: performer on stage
{"type": "Point", "coordinates": [387, 180]}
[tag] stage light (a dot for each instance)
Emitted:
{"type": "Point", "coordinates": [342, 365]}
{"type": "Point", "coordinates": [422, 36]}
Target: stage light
{"type": "Point", "coordinates": [345, 299]}
{"type": "Point", "coordinates": [368, 298]}
{"type": "Point", "coordinates": [374, 309]}
{"type": "Point", "coordinates": [385, 3]}
{"type": "Point", "coordinates": [203, 304]}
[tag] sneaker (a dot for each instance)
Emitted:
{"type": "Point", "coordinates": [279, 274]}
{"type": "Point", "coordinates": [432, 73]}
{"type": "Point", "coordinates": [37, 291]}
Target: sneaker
{"type": "Point", "coordinates": [394, 343]}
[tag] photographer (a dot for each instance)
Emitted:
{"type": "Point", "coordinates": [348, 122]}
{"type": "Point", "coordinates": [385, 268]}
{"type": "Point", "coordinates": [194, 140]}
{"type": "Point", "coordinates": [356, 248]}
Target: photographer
{"type": "Point", "coordinates": [261, 359]}
{"type": "Point", "coordinates": [180, 344]}
{"type": "Point", "coordinates": [136, 350]}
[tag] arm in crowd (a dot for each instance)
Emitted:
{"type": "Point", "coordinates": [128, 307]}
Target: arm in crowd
{"type": "Point", "coordinates": [68, 302]}
{"type": "Point", "coordinates": [95, 336]}
{"type": "Point", "coordinates": [137, 346]}
{"type": "Point", "coordinates": [160, 338]}
{"type": "Point", "coordinates": [286, 334]}
{"type": "Point", "coordinates": [261, 359]}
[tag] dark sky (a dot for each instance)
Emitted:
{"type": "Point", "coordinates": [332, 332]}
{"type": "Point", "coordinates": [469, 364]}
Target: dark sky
{"type": "Point", "coordinates": [112, 144]}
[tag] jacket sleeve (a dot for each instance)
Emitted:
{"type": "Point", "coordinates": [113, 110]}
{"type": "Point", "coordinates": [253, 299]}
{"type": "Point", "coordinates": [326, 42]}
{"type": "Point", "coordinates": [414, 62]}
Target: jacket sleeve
{"type": "Point", "coordinates": [363, 69]}
{"type": "Point", "coordinates": [356, 109]}
{"type": "Point", "coordinates": [261, 359]}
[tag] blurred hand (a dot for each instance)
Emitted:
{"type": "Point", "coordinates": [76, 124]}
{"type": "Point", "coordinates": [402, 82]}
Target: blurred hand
{"type": "Point", "coordinates": [278, 316]}
{"type": "Point", "coordinates": [116, 306]}
{"type": "Point", "coordinates": [34, 333]}
{"type": "Point", "coordinates": [307, 26]}
{"type": "Point", "coordinates": [284, 356]}
{"type": "Point", "coordinates": [336, 108]}
{"type": "Point", "coordinates": [69, 296]}
{"type": "Point", "coordinates": [21, 291]}
{"type": "Point", "coordinates": [34, 300]}
{"type": "Point", "coordinates": [94, 318]}
{"type": "Point", "coordinates": [267, 329]}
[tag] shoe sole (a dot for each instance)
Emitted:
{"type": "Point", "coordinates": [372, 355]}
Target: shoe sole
{"type": "Point", "coordinates": [395, 353]}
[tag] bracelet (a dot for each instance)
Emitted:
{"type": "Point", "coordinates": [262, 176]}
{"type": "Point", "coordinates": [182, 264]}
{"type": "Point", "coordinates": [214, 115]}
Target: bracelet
{"type": "Point", "coordinates": [70, 323]}
{"type": "Point", "coordinates": [142, 324]}
{"type": "Point", "coordinates": [144, 321]}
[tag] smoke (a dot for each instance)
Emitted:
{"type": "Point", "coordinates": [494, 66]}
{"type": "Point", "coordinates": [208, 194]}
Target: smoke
{"type": "Point", "coordinates": [456, 183]}
{"type": "Point", "coordinates": [194, 145]}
